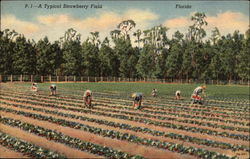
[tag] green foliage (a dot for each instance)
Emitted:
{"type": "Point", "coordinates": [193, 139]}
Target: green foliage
{"type": "Point", "coordinates": [91, 60]}
{"type": "Point", "coordinates": [49, 57]}
{"type": "Point", "coordinates": [146, 63]}
{"type": "Point", "coordinates": [126, 56]}
{"type": "Point", "coordinates": [174, 60]}
{"type": "Point", "coordinates": [24, 57]}
{"type": "Point", "coordinates": [243, 66]}
{"type": "Point", "coordinates": [6, 53]}
{"type": "Point", "coordinates": [73, 58]}
{"type": "Point", "coordinates": [108, 59]}
{"type": "Point", "coordinates": [184, 56]}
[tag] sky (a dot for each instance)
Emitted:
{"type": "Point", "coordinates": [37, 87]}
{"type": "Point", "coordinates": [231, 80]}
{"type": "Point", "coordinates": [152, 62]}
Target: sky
{"type": "Point", "coordinates": [104, 16]}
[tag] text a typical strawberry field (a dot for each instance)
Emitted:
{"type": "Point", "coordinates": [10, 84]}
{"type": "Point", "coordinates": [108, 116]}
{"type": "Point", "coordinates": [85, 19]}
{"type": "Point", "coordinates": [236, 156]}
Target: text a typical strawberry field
{"type": "Point", "coordinates": [60, 126]}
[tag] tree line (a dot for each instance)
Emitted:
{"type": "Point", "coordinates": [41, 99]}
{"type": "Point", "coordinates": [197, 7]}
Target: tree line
{"type": "Point", "coordinates": [184, 56]}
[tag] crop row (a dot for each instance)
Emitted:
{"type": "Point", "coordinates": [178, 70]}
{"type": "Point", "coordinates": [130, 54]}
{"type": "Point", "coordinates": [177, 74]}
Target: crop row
{"type": "Point", "coordinates": [150, 122]}
{"type": "Point", "coordinates": [68, 140]}
{"type": "Point", "coordinates": [183, 106]}
{"type": "Point", "coordinates": [169, 100]}
{"type": "Point", "coordinates": [166, 98]}
{"type": "Point", "coordinates": [219, 100]}
{"type": "Point", "coordinates": [73, 142]}
{"type": "Point", "coordinates": [213, 125]}
{"type": "Point", "coordinates": [176, 106]}
{"type": "Point", "coordinates": [145, 130]}
{"type": "Point", "coordinates": [167, 103]}
{"type": "Point", "coordinates": [26, 148]}
{"type": "Point", "coordinates": [183, 103]}
{"type": "Point", "coordinates": [179, 108]}
{"type": "Point", "coordinates": [59, 101]}
{"type": "Point", "coordinates": [152, 116]}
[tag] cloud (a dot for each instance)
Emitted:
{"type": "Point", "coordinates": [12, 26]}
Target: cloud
{"type": "Point", "coordinates": [53, 19]}
{"type": "Point", "coordinates": [101, 21]}
{"type": "Point", "coordinates": [55, 25]}
{"type": "Point", "coordinates": [226, 22]}
{"type": "Point", "coordinates": [177, 22]}
{"type": "Point", "coordinates": [141, 17]}
{"type": "Point", "coordinates": [12, 23]}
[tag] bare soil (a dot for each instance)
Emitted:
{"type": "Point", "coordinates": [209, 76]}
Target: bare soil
{"type": "Point", "coordinates": [125, 146]}
{"type": "Point", "coordinates": [131, 148]}
{"type": "Point", "coordinates": [43, 142]}
{"type": "Point", "coordinates": [7, 153]}
{"type": "Point", "coordinates": [153, 127]}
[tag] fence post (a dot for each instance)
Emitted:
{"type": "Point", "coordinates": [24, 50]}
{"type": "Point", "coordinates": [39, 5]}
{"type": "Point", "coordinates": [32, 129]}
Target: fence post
{"type": "Point", "coordinates": [248, 83]}
{"type": "Point", "coordinates": [88, 78]}
{"type": "Point", "coordinates": [119, 79]}
{"type": "Point", "coordinates": [57, 78]}
{"type": "Point", "coordinates": [65, 78]}
{"type": "Point", "coordinates": [95, 79]}
{"type": "Point", "coordinates": [21, 78]}
{"type": "Point", "coordinates": [41, 78]}
{"type": "Point", "coordinates": [0, 78]}
{"type": "Point", "coordinates": [81, 78]}
{"type": "Point", "coordinates": [31, 78]}
{"type": "Point", "coordinates": [74, 78]}
{"type": "Point", "coordinates": [49, 78]}
{"type": "Point", "coordinates": [114, 79]}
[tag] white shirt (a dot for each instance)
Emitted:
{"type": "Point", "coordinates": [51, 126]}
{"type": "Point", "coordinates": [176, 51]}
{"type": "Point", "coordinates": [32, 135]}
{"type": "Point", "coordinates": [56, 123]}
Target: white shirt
{"type": "Point", "coordinates": [198, 90]}
{"type": "Point", "coordinates": [177, 92]}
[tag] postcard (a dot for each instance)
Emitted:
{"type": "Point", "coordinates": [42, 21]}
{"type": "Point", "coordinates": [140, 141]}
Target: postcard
{"type": "Point", "coordinates": [124, 79]}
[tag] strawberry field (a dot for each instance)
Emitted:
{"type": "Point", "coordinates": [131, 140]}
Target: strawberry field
{"type": "Point", "coordinates": [40, 125]}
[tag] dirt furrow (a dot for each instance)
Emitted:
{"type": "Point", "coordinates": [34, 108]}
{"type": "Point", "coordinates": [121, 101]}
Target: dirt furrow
{"type": "Point", "coordinates": [97, 103]}
{"type": "Point", "coordinates": [7, 153]}
{"type": "Point", "coordinates": [159, 120]}
{"type": "Point", "coordinates": [124, 146]}
{"type": "Point", "coordinates": [143, 135]}
{"type": "Point", "coordinates": [167, 130]}
{"type": "Point", "coordinates": [43, 142]}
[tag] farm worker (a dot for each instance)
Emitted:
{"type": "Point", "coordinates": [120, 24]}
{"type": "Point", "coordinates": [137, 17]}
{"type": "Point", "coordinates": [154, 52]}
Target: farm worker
{"type": "Point", "coordinates": [178, 94]}
{"type": "Point", "coordinates": [196, 98]}
{"type": "Point", "coordinates": [87, 93]}
{"type": "Point", "coordinates": [137, 100]}
{"type": "Point", "coordinates": [53, 89]}
{"type": "Point", "coordinates": [154, 92]}
{"type": "Point", "coordinates": [199, 90]}
{"type": "Point", "coordinates": [34, 87]}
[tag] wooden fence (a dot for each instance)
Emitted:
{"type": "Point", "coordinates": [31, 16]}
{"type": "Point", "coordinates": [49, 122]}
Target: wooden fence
{"type": "Point", "coordinates": [38, 78]}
